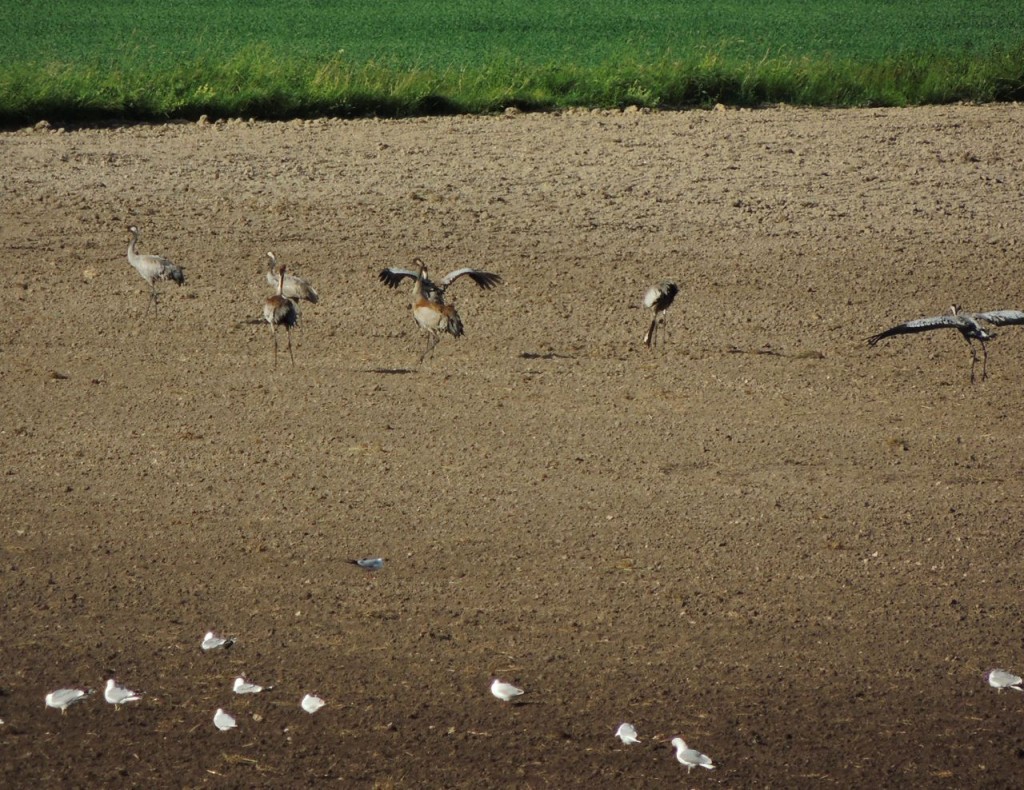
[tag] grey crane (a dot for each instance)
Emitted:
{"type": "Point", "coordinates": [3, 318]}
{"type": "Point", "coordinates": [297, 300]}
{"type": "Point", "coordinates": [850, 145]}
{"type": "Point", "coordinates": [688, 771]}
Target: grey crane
{"type": "Point", "coordinates": [428, 307]}
{"type": "Point", "coordinates": [967, 324]}
{"type": "Point", "coordinates": [152, 268]}
{"type": "Point", "coordinates": [294, 287]}
{"type": "Point", "coordinates": [279, 310]}
{"type": "Point", "coordinates": [658, 298]}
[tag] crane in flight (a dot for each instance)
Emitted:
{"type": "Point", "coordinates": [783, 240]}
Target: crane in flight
{"type": "Point", "coordinates": [969, 325]}
{"type": "Point", "coordinates": [428, 306]}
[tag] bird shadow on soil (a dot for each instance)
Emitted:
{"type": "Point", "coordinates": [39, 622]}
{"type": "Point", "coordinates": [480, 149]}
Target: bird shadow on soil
{"type": "Point", "coordinates": [548, 355]}
{"type": "Point", "coordinates": [391, 371]}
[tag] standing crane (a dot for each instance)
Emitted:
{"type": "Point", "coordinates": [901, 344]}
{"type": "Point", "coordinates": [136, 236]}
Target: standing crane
{"type": "Point", "coordinates": [658, 298]}
{"type": "Point", "coordinates": [295, 288]}
{"type": "Point", "coordinates": [967, 324]}
{"type": "Point", "coordinates": [428, 307]}
{"type": "Point", "coordinates": [279, 310]}
{"type": "Point", "coordinates": [152, 268]}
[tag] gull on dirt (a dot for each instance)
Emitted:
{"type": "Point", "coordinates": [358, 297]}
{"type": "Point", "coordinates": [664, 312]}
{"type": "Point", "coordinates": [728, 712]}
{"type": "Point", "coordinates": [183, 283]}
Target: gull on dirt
{"type": "Point", "coordinates": [223, 720]}
{"type": "Point", "coordinates": [691, 757]}
{"type": "Point", "coordinates": [62, 699]}
{"type": "Point", "coordinates": [658, 298]}
{"type": "Point", "coordinates": [118, 695]}
{"type": "Point", "coordinates": [1001, 679]}
{"type": "Point", "coordinates": [505, 691]}
{"type": "Point", "coordinates": [242, 686]}
{"type": "Point", "coordinates": [211, 641]}
{"type": "Point", "coordinates": [311, 703]}
{"type": "Point", "coordinates": [370, 563]}
{"type": "Point", "coordinates": [627, 733]}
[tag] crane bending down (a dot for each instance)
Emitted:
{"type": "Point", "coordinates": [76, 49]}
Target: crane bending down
{"type": "Point", "coordinates": [967, 324]}
{"type": "Point", "coordinates": [294, 287]}
{"type": "Point", "coordinates": [152, 269]}
{"type": "Point", "coordinates": [279, 310]}
{"type": "Point", "coordinates": [658, 298]}
{"type": "Point", "coordinates": [428, 305]}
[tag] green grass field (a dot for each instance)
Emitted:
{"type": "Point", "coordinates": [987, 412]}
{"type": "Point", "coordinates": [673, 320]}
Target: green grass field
{"type": "Point", "coordinates": [147, 59]}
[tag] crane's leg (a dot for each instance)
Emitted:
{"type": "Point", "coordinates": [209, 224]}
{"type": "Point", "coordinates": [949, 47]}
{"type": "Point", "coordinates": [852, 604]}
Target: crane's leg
{"type": "Point", "coordinates": [154, 300]}
{"type": "Point", "coordinates": [430, 347]}
{"type": "Point", "coordinates": [984, 360]}
{"type": "Point", "coordinates": [649, 338]}
{"type": "Point", "coordinates": [273, 331]}
{"type": "Point", "coordinates": [290, 354]}
{"type": "Point", "coordinates": [974, 357]}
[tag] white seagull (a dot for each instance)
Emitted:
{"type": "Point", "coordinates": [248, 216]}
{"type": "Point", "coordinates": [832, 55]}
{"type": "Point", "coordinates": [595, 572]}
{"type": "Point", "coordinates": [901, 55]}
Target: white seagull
{"type": "Point", "coordinates": [223, 721]}
{"type": "Point", "coordinates": [311, 703]}
{"type": "Point", "coordinates": [62, 699]}
{"type": "Point", "coordinates": [1001, 679]}
{"type": "Point", "coordinates": [505, 691]}
{"type": "Point", "coordinates": [242, 686]}
{"type": "Point", "coordinates": [627, 733]}
{"type": "Point", "coordinates": [370, 563]}
{"type": "Point", "coordinates": [118, 695]}
{"type": "Point", "coordinates": [691, 757]}
{"type": "Point", "coordinates": [211, 641]}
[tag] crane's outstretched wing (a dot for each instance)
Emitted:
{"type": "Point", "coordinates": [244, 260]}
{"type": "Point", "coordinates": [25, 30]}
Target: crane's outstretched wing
{"type": "Point", "coordinates": [393, 277]}
{"type": "Point", "coordinates": [919, 325]}
{"type": "Point", "coordinates": [1002, 317]}
{"type": "Point", "coordinates": [485, 280]}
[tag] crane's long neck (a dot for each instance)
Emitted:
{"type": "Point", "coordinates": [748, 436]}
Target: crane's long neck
{"type": "Point", "coordinates": [132, 252]}
{"type": "Point", "coordinates": [280, 283]}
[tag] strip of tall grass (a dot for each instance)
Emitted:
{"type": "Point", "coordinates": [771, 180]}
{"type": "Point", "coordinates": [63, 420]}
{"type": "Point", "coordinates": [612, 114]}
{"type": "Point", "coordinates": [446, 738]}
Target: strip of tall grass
{"type": "Point", "coordinates": [259, 83]}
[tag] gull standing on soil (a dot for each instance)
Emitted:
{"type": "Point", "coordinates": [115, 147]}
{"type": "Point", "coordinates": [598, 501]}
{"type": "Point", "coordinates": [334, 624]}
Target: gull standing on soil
{"type": "Point", "coordinates": [152, 269]}
{"type": "Point", "coordinates": [691, 757]}
{"type": "Point", "coordinates": [627, 733]}
{"type": "Point", "coordinates": [224, 721]}
{"type": "Point", "coordinates": [242, 686]}
{"type": "Point", "coordinates": [505, 691]}
{"type": "Point", "coordinates": [658, 298]}
{"type": "Point", "coordinates": [1001, 679]}
{"type": "Point", "coordinates": [311, 703]}
{"type": "Point", "coordinates": [211, 641]}
{"type": "Point", "coordinates": [62, 699]}
{"type": "Point", "coordinates": [370, 563]}
{"type": "Point", "coordinates": [118, 695]}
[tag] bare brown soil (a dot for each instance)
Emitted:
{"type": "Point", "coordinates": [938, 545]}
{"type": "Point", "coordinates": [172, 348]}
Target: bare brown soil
{"type": "Point", "coordinates": [799, 553]}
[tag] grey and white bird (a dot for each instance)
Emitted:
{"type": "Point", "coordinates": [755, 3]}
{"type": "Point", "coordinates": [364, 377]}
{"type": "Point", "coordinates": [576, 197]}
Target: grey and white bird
{"type": "Point", "coordinates": [627, 733]}
{"type": "Point", "coordinates": [223, 720]}
{"type": "Point", "coordinates": [393, 276]}
{"type": "Point", "coordinates": [152, 268]}
{"type": "Point", "coordinates": [428, 306]}
{"type": "Point", "coordinates": [691, 758]}
{"type": "Point", "coordinates": [658, 298]}
{"type": "Point", "coordinates": [62, 699]}
{"type": "Point", "coordinates": [967, 324]}
{"type": "Point", "coordinates": [311, 703]}
{"type": "Point", "coordinates": [243, 686]}
{"type": "Point", "coordinates": [279, 310]}
{"type": "Point", "coordinates": [212, 642]}
{"type": "Point", "coordinates": [505, 691]}
{"type": "Point", "coordinates": [118, 695]}
{"type": "Point", "coordinates": [294, 287]}
{"type": "Point", "coordinates": [1001, 679]}
{"type": "Point", "coordinates": [370, 563]}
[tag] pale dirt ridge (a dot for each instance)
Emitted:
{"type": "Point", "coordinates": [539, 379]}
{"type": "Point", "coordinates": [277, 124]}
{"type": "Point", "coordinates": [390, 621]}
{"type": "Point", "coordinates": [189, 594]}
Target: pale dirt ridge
{"type": "Point", "coordinates": [800, 554]}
